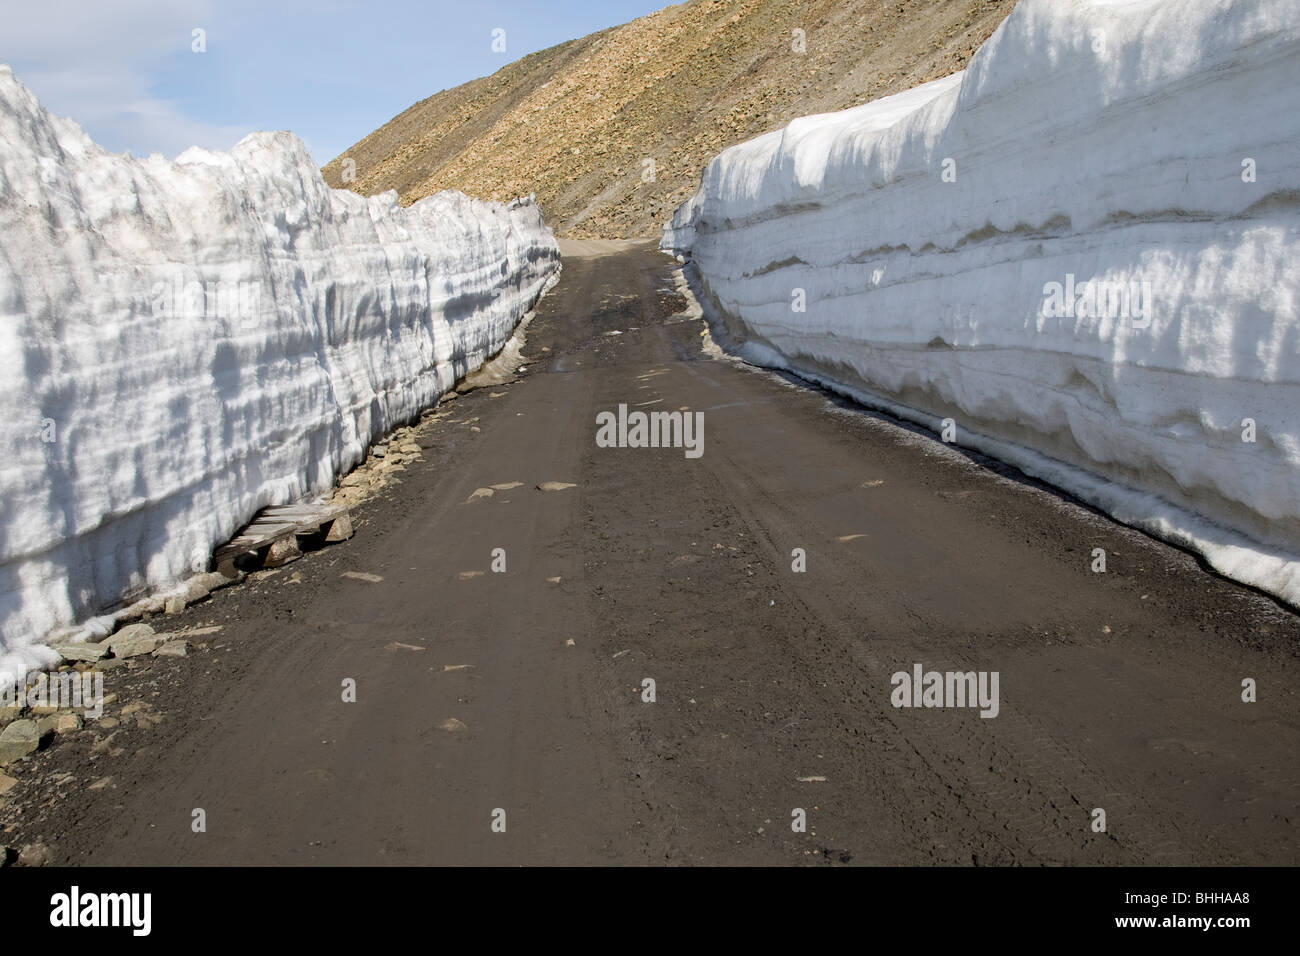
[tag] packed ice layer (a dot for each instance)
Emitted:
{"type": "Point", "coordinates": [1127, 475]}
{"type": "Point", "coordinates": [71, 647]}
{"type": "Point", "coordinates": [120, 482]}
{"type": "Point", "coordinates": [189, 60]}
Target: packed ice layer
{"type": "Point", "coordinates": [183, 343]}
{"type": "Point", "coordinates": [1084, 250]}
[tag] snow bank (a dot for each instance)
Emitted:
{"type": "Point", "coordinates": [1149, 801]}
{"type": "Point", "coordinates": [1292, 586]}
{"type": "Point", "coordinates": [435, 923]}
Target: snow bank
{"type": "Point", "coordinates": [183, 343]}
{"type": "Point", "coordinates": [1085, 249]}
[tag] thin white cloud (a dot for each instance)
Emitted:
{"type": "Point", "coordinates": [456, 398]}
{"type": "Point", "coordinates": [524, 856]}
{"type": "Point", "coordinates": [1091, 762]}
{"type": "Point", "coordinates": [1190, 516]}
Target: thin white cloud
{"type": "Point", "coordinates": [97, 63]}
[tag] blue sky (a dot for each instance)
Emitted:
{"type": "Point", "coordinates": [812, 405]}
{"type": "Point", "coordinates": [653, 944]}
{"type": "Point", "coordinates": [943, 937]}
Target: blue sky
{"type": "Point", "coordinates": [330, 70]}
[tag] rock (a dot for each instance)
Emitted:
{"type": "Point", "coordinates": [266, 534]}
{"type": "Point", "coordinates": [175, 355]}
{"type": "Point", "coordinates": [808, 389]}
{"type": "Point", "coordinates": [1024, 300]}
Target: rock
{"type": "Point", "coordinates": [7, 783]}
{"type": "Point", "coordinates": [81, 652]}
{"type": "Point", "coordinates": [67, 723]}
{"type": "Point", "coordinates": [109, 663]}
{"type": "Point", "coordinates": [379, 451]}
{"type": "Point", "coordinates": [62, 723]}
{"type": "Point", "coordinates": [201, 585]}
{"type": "Point", "coordinates": [18, 740]}
{"type": "Point", "coordinates": [174, 605]}
{"type": "Point", "coordinates": [34, 854]}
{"type": "Point", "coordinates": [100, 784]}
{"type": "Point", "coordinates": [410, 448]}
{"type": "Point", "coordinates": [555, 485]}
{"type": "Point", "coordinates": [282, 552]}
{"type": "Point", "coordinates": [452, 726]}
{"type": "Point", "coordinates": [136, 643]}
{"type": "Point", "coordinates": [340, 529]}
{"type": "Point", "coordinates": [108, 723]}
{"type": "Point", "coordinates": [352, 480]}
{"type": "Point", "coordinates": [130, 633]}
{"type": "Point", "coordinates": [132, 708]}
{"type": "Point", "coordinates": [9, 714]}
{"type": "Point", "coordinates": [173, 649]}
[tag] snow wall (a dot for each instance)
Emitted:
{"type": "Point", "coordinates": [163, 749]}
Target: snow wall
{"type": "Point", "coordinates": [183, 343]}
{"type": "Point", "coordinates": [1083, 249]}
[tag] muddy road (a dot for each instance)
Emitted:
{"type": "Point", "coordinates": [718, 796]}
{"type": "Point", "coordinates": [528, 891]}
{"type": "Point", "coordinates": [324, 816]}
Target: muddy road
{"type": "Point", "coordinates": [481, 690]}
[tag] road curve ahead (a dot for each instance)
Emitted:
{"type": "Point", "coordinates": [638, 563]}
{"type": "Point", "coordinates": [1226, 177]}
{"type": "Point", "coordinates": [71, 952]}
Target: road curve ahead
{"type": "Point", "coordinates": [505, 716]}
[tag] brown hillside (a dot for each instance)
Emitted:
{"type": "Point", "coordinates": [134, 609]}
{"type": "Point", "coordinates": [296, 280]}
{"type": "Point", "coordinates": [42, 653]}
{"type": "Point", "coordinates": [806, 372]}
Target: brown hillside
{"type": "Point", "coordinates": [576, 123]}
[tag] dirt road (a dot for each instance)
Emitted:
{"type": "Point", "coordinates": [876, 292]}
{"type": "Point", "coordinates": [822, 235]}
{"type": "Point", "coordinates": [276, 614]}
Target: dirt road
{"type": "Point", "coordinates": [510, 691]}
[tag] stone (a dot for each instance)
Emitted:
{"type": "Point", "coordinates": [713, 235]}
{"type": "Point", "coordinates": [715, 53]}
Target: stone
{"type": "Point", "coordinates": [18, 740]}
{"type": "Point", "coordinates": [135, 644]}
{"type": "Point", "coordinates": [340, 529]}
{"type": "Point", "coordinates": [130, 633]}
{"type": "Point", "coordinates": [7, 783]}
{"type": "Point", "coordinates": [173, 649]}
{"type": "Point", "coordinates": [201, 585]}
{"type": "Point", "coordinates": [174, 605]}
{"type": "Point", "coordinates": [410, 448]}
{"type": "Point", "coordinates": [282, 552]}
{"type": "Point", "coordinates": [100, 784]}
{"type": "Point", "coordinates": [379, 451]}
{"type": "Point", "coordinates": [81, 652]}
{"type": "Point", "coordinates": [555, 485]}
{"type": "Point", "coordinates": [34, 854]}
{"type": "Point", "coordinates": [67, 723]}
{"type": "Point", "coordinates": [352, 480]}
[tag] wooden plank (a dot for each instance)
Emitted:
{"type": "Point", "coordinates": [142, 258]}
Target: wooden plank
{"type": "Point", "coordinates": [277, 522]}
{"type": "Point", "coordinates": [316, 513]}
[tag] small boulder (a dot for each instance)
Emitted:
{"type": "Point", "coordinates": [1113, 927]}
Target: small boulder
{"type": "Point", "coordinates": [80, 652]}
{"type": "Point", "coordinates": [134, 644]}
{"type": "Point", "coordinates": [18, 740]}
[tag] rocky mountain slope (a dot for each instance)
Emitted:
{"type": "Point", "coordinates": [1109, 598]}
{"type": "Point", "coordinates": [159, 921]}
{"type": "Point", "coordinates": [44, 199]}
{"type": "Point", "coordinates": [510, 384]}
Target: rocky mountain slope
{"type": "Point", "coordinates": [612, 130]}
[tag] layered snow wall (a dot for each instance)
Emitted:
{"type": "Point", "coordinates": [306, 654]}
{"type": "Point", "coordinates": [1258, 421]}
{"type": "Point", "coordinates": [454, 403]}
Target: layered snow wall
{"type": "Point", "coordinates": [1084, 249]}
{"type": "Point", "coordinates": [183, 343]}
